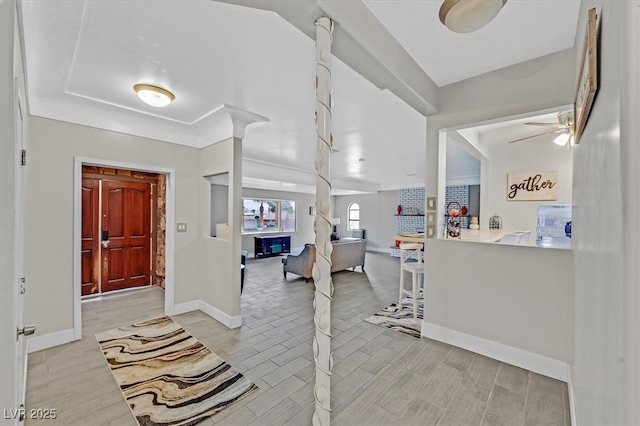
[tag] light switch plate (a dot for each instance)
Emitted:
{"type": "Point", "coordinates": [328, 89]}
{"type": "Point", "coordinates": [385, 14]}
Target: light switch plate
{"type": "Point", "coordinates": [431, 231]}
{"type": "Point", "coordinates": [182, 227]}
{"type": "Point", "coordinates": [431, 218]}
{"type": "Point", "coordinates": [431, 203]}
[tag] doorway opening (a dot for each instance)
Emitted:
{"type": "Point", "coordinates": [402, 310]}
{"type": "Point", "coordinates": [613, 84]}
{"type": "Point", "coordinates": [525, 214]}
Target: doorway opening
{"type": "Point", "coordinates": [123, 229]}
{"type": "Point", "coordinates": [168, 240]}
{"type": "Point", "coordinates": [486, 153]}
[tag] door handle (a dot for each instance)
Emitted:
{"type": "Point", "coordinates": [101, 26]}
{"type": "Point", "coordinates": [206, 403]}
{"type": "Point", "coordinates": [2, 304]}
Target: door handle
{"type": "Point", "coordinates": [27, 330]}
{"type": "Point", "coordinates": [105, 238]}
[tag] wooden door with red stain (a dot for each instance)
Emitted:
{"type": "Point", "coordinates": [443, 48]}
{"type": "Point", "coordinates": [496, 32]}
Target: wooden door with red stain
{"type": "Point", "coordinates": [126, 229]}
{"type": "Point", "coordinates": [90, 251]}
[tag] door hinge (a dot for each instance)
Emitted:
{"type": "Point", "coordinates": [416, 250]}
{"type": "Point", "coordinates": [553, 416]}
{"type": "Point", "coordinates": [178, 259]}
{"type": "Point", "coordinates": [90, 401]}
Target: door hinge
{"type": "Point", "coordinates": [22, 289]}
{"type": "Point", "coordinates": [23, 158]}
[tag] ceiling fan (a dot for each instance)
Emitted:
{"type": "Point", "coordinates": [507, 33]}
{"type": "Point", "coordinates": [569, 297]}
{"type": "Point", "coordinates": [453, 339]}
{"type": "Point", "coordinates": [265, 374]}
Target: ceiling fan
{"type": "Point", "coordinates": [564, 128]}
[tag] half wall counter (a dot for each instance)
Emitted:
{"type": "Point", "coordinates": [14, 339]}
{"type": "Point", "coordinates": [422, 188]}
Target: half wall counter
{"type": "Point", "coordinates": [513, 303]}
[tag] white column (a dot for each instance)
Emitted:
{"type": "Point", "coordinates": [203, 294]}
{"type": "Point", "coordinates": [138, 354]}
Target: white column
{"type": "Point", "coordinates": [241, 120]}
{"type": "Point", "coordinates": [322, 266]}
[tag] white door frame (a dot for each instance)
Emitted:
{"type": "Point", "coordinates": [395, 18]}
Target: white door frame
{"type": "Point", "coordinates": [19, 173]}
{"type": "Point", "coordinates": [77, 232]}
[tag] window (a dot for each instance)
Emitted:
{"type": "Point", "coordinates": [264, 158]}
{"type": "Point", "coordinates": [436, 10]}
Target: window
{"type": "Point", "coordinates": [353, 215]}
{"type": "Point", "coordinates": [268, 215]}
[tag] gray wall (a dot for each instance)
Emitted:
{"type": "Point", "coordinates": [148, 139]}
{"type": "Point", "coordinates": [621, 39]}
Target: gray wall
{"type": "Point", "coordinates": [217, 261]}
{"type": "Point", "coordinates": [49, 266]}
{"type": "Point", "coordinates": [453, 270]}
{"type": "Point", "coordinates": [219, 206]}
{"type": "Point", "coordinates": [524, 157]}
{"type": "Point", "coordinates": [376, 217]}
{"type": "Point", "coordinates": [606, 361]}
{"type": "Point", "coordinates": [605, 302]}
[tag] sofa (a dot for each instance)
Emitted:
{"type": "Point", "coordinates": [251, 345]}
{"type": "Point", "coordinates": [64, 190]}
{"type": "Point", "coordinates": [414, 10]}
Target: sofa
{"type": "Point", "coordinates": [345, 254]}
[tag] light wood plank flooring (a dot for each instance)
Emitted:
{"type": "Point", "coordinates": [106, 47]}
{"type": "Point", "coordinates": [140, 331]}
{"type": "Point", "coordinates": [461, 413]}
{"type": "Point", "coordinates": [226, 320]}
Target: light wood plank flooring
{"type": "Point", "coordinates": [380, 377]}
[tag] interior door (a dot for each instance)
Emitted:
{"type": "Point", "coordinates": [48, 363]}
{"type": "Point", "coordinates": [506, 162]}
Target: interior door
{"type": "Point", "coordinates": [90, 251]}
{"type": "Point", "coordinates": [126, 231]}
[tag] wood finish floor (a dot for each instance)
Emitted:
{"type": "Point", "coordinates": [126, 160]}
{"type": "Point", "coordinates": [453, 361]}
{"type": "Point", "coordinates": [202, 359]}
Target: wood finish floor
{"type": "Point", "coordinates": [380, 377]}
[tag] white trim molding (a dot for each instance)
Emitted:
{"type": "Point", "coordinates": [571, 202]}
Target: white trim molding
{"type": "Point", "coordinates": [572, 406]}
{"type": "Point", "coordinates": [215, 313]}
{"type": "Point", "coordinates": [37, 343]}
{"type": "Point", "coordinates": [520, 358]}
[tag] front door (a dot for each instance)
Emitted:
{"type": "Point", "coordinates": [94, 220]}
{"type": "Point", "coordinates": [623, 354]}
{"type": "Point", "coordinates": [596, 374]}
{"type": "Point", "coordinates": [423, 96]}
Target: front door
{"type": "Point", "coordinates": [125, 235]}
{"type": "Point", "coordinates": [90, 251]}
{"type": "Point", "coordinates": [116, 232]}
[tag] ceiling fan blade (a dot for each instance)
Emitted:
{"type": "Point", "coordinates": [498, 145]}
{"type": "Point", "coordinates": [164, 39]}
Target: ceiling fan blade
{"type": "Point", "coordinates": [559, 125]}
{"type": "Point", "coordinates": [539, 134]}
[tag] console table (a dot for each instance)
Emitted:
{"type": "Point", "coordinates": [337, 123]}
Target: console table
{"type": "Point", "coordinates": [271, 245]}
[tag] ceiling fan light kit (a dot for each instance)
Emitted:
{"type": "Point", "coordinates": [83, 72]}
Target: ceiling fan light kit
{"type": "Point", "coordinates": [562, 139]}
{"type": "Point", "coordinates": [153, 95]}
{"type": "Point", "coordinates": [465, 16]}
{"type": "Point", "coordinates": [564, 127]}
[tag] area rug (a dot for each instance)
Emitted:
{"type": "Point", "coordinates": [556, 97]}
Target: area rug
{"type": "Point", "coordinates": [400, 319]}
{"type": "Point", "coordinates": [167, 376]}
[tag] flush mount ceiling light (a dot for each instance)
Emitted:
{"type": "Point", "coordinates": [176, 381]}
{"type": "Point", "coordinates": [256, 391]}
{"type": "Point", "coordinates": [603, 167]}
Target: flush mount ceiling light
{"type": "Point", "coordinates": [153, 95]}
{"type": "Point", "coordinates": [465, 16]}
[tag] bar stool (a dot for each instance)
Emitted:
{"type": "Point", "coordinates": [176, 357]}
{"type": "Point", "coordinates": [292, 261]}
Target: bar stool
{"type": "Point", "coordinates": [411, 261]}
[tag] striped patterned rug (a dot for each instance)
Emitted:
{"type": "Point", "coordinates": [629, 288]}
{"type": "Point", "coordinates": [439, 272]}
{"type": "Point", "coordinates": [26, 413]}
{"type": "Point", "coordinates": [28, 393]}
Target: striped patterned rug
{"type": "Point", "coordinates": [400, 320]}
{"type": "Point", "coordinates": [167, 376]}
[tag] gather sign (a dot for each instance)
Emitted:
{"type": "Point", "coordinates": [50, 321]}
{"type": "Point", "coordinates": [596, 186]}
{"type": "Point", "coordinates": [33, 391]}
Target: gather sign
{"type": "Point", "coordinates": [539, 186]}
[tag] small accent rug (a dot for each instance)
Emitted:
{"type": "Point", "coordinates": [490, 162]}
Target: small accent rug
{"type": "Point", "coordinates": [167, 376]}
{"type": "Point", "coordinates": [400, 320]}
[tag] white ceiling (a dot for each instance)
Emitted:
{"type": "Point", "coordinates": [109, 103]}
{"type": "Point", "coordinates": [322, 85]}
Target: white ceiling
{"type": "Point", "coordinates": [523, 30]}
{"type": "Point", "coordinates": [83, 57]}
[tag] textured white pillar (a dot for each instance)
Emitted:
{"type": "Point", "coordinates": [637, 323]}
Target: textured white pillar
{"type": "Point", "coordinates": [322, 266]}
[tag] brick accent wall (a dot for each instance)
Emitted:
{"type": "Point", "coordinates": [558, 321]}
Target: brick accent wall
{"type": "Point", "coordinates": [410, 199]}
{"type": "Point", "coordinates": [459, 193]}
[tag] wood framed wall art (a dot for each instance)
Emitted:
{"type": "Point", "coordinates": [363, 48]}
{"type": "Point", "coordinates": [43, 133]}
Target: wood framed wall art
{"type": "Point", "coordinates": [588, 79]}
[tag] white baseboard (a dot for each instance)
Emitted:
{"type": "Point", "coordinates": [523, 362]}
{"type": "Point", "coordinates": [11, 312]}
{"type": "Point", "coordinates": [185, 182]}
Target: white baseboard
{"type": "Point", "coordinates": [37, 343]}
{"type": "Point", "coordinates": [215, 313]}
{"type": "Point", "coordinates": [183, 308]}
{"type": "Point", "coordinates": [520, 358]}
{"type": "Point", "coordinates": [572, 407]}
{"type": "Point", "coordinates": [218, 315]}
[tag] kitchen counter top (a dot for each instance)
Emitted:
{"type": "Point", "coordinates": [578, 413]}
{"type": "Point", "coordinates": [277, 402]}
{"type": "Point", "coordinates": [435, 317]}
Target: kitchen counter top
{"type": "Point", "coordinates": [479, 236]}
{"type": "Point", "coordinates": [482, 235]}
{"type": "Point", "coordinates": [490, 236]}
